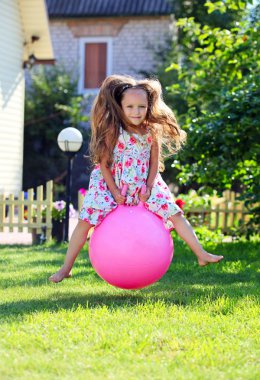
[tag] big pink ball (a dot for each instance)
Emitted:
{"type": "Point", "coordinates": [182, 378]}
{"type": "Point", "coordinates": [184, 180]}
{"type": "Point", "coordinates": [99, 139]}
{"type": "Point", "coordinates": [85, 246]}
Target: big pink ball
{"type": "Point", "coordinates": [131, 248]}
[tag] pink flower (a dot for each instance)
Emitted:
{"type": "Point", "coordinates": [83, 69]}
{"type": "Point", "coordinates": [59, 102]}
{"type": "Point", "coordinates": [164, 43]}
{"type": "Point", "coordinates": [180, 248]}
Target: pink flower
{"type": "Point", "coordinates": [132, 140]}
{"type": "Point", "coordinates": [136, 178]}
{"type": "Point", "coordinates": [143, 169]}
{"type": "Point", "coordinates": [106, 198]}
{"type": "Point", "coordinates": [120, 146]}
{"type": "Point", "coordinates": [128, 163]}
{"type": "Point", "coordinates": [165, 206]}
{"type": "Point", "coordinates": [101, 186]}
{"type": "Point", "coordinates": [159, 196]}
{"type": "Point", "coordinates": [59, 205]}
{"type": "Point", "coordinates": [90, 211]}
{"type": "Point", "coordinates": [149, 140]}
{"type": "Point", "coordinates": [100, 218]}
{"type": "Point", "coordinates": [83, 191]}
{"type": "Point", "coordinates": [138, 162]}
{"type": "Point", "coordinates": [120, 166]}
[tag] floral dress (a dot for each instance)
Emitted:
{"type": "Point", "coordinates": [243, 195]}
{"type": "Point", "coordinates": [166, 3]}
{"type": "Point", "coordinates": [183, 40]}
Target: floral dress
{"type": "Point", "coordinates": [131, 167]}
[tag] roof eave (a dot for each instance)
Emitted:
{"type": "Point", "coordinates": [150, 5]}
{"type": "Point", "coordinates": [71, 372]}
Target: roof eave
{"type": "Point", "coordinates": [36, 33]}
{"type": "Point", "coordinates": [74, 16]}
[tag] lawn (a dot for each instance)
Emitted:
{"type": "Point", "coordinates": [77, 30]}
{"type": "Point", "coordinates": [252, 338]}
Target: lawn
{"type": "Point", "coordinates": [196, 323]}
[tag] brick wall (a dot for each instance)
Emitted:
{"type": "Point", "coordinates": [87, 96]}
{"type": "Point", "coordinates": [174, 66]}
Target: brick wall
{"type": "Point", "coordinates": [135, 44]}
{"type": "Point", "coordinates": [65, 45]}
{"type": "Point", "coordinates": [134, 40]}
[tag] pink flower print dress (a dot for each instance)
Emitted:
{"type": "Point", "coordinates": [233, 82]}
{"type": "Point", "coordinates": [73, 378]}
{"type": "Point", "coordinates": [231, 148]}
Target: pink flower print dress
{"type": "Point", "coordinates": [130, 166]}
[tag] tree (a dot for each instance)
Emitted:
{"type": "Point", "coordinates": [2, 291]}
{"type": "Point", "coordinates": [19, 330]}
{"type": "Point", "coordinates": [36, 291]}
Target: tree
{"type": "Point", "coordinates": [197, 9]}
{"type": "Point", "coordinates": [51, 104]}
{"type": "Point", "coordinates": [219, 82]}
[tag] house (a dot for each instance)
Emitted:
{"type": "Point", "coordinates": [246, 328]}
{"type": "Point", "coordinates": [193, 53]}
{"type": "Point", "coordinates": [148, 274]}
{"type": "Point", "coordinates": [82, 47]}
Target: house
{"type": "Point", "coordinates": [96, 38]}
{"type": "Point", "coordinates": [24, 40]}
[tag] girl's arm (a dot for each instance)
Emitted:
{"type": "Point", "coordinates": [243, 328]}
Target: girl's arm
{"type": "Point", "coordinates": [154, 165]}
{"type": "Point", "coordinates": [106, 172]}
{"type": "Point", "coordinates": [153, 170]}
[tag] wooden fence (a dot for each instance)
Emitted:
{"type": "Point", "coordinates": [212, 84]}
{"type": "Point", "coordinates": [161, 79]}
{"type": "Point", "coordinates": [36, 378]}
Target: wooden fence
{"type": "Point", "coordinates": [224, 213]}
{"type": "Point", "coordinates": [27, 213]}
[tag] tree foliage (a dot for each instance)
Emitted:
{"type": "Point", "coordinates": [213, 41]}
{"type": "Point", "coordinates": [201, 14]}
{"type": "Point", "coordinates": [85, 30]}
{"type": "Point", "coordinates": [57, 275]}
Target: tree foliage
{"type": "Point", "coordinates": [51, 104]}
{"type": "Point", "coordinates": [215, 88]}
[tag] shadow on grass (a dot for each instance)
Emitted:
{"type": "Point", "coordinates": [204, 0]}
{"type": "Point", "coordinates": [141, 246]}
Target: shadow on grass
{"type": "Point", "coordinates": [183, 295]}
{"type": "Point", "coordinates": [173, 289]}
{"type": "Point", "coordinates": [185, 272]}
{"type": "Point", "coordinates": [184, 284]}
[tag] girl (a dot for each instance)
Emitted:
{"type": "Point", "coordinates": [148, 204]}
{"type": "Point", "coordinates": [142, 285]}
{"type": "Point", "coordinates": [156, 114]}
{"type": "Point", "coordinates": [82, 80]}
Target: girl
{"type": "Point", "coordinates": [131, 128]}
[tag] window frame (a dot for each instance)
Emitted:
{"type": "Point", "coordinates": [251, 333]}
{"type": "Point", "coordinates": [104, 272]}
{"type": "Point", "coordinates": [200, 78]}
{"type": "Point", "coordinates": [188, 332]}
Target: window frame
{"type": "Point", "coordinates": [82, 42]}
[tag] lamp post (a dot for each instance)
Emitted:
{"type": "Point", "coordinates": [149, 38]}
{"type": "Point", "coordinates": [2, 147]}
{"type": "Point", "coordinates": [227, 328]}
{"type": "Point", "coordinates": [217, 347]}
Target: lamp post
{"type": "Point", "coordinates": [69, 141]}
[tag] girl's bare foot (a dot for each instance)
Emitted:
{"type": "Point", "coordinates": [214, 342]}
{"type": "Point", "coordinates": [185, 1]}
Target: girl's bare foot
{"type": "Point", "coordinates": [206, 258]}
{"type": "Point", "coordinates": [60, 275]}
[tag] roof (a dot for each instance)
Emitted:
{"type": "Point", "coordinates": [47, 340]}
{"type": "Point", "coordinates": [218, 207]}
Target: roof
{"type": "Point", "coordinates": [107, 8]}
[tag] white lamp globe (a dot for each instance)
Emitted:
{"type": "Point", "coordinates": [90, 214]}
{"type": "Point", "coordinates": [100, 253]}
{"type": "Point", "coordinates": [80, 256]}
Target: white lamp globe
{"type": "Point", "coordinates": [70, 140]}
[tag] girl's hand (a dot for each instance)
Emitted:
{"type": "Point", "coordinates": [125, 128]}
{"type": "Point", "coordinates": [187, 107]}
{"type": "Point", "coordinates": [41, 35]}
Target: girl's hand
{"type": "Point", "coordinates": [146, 195]}
{"type": "Point", "coordinates": [118, 197]}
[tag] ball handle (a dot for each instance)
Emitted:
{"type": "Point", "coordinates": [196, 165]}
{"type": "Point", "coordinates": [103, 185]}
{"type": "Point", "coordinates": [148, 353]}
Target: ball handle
{"type": "Point", "coordinates": [124, 191]}
{"type": "Point", "coordinates": [143, 190]}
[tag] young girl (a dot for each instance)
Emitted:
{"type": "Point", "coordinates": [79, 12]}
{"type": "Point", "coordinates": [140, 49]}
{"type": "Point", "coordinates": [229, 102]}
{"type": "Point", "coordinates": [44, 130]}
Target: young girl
{"type": "Point", "coordinates": [131, 127]}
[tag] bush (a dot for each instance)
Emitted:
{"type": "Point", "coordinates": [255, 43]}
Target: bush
{"type": "Point", "coordinates": [51, 104]}
{"type": "Point", "coordinates": [206, 236]}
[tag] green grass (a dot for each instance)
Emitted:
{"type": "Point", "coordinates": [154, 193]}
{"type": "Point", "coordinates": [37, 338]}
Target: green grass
{"type": "Point", "coordinates": [196, 323]}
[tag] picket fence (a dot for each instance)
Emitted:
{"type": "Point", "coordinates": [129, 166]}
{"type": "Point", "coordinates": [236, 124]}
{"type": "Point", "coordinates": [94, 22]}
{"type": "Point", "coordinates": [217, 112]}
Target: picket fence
{"type": "Point", "coordinates": [21, 213]}
{"type": "Point", "coordinates": [224, 213]}
{"type": "Point", "coordinates": [26, 213]}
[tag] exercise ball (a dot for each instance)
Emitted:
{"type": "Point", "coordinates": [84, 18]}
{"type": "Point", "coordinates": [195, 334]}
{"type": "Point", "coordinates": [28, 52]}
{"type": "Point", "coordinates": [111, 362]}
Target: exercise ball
{"type": "Point", "coordinates": [131, 248]}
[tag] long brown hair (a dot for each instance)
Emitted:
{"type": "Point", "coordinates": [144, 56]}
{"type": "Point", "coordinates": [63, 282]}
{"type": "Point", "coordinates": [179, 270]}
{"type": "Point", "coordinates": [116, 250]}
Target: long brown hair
{"type": "Point", "coordinates": [107, 116]}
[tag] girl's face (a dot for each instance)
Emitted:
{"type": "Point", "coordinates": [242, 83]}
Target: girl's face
{"type": "Point", "coordinates": [135, 105]}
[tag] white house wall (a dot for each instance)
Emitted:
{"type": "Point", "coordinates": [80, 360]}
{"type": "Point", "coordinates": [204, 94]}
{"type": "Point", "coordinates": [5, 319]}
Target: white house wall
{"type": "Point", "coordinates": [11, 97]}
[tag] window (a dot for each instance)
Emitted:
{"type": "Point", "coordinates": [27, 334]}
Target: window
{"type": "Point", "coordinates": [95, 63]}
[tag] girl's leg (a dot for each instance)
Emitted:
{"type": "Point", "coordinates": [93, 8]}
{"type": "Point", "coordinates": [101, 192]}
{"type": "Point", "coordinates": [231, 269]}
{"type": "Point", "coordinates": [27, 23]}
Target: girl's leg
{"type": "Point", "coordinates": [185, 231]}
{"type": "Point", "coordinates": [77, 241]}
